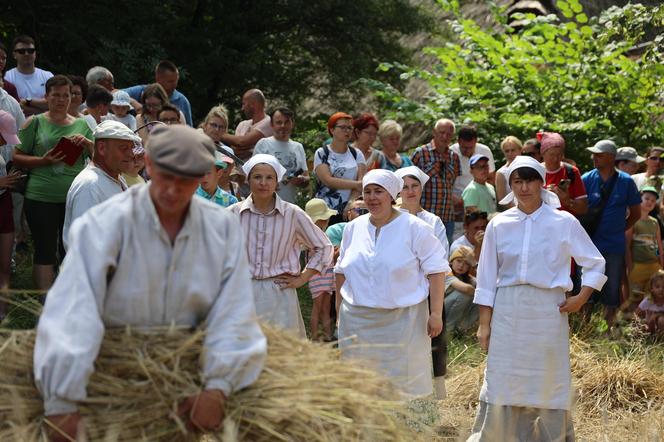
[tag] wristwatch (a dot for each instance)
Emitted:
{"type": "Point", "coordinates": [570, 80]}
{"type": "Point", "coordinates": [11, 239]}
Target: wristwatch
{"type": "Point", "coordinates": [28, 101]}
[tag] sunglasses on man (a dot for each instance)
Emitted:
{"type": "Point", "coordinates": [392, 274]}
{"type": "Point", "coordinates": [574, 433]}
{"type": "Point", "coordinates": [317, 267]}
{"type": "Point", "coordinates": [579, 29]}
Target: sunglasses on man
{"type": "Point", "coordinates": [474, 216]}
{"type": "Point", "coordinates": [24, 51]}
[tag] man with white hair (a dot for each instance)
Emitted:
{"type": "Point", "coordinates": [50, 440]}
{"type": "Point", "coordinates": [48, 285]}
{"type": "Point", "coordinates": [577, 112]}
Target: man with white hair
{"type": "Point", "coordinates": [135, 261]}
{"type": "Point", "coordinates": [101, 179]}
{"type": "Point", "coordinates": [443, 167]}
{"type": "Point", "coordinates": [101, 76]}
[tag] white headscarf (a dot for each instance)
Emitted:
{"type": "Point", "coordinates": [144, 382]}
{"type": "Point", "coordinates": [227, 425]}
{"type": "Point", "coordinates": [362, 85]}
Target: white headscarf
{"type": "Point", "coordinates": [413, 171]}
{"type": "Point", "coordinates": [386, 179]}
{"type": "Point", "coordinates": [548, 197]}
{"type": "Point", "coordinates": [264, 158]}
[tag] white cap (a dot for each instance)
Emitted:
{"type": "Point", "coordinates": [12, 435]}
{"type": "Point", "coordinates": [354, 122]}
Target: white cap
{"type": "Point", "coordinates": [115, 130]}
{"type": "Point", "coordinates": [413, 171]}
{"type": "Point", "coordinates": [265, 159]}
{"type": "Point", "coordinates": [386, 179]}
{"type": "Point", "coordinates": [121, 98]}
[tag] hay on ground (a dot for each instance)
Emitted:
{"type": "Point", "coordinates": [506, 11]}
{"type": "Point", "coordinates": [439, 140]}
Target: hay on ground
{"type": "Point", "coordinates": [304, 393]}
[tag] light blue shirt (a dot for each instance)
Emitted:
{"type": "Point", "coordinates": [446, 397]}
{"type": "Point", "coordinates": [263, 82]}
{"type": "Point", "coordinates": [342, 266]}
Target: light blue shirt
{"type": "Point", "coordinates": [177, 99]}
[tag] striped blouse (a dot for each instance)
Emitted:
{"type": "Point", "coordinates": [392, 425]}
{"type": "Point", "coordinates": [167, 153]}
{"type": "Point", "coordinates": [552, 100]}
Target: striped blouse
{"type": "Point", "coordinates": [274, 240]}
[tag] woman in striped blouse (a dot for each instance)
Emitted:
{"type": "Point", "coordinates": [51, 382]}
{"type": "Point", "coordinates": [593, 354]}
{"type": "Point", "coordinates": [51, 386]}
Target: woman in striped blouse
{"type": "Point", "coordinates": [275, 233]}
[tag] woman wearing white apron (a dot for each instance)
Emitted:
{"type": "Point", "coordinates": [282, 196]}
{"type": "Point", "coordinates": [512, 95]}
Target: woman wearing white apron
{"type": "Point", "coordinates": [522, 278]}
{"type": "Point", "coordinates": [414, 180]}
{"type": "Point", "coordinates": [276, 232]}
{"type": "Point", "coordinates": [388, 264]}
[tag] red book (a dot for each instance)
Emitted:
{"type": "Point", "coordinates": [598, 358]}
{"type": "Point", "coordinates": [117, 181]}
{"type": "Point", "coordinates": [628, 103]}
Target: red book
{"type": "Point", "coordinates": [72, 151]}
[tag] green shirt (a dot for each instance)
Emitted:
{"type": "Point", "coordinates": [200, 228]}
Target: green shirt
{"type": "Point", "coordinates": [644, 240]}
{"type": "Point", "coordinates": [50, 183]}
{"type": "Point", "coordinates": [482, 196]}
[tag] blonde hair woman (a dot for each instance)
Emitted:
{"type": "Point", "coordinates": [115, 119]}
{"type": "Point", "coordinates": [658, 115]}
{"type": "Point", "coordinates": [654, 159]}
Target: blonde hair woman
{"type": "Point", "coordinates": [390, 133]}
{"type": "Point", "coordinates": [215, 123]}
{"type": "Point", "coordinates": [511, 147]}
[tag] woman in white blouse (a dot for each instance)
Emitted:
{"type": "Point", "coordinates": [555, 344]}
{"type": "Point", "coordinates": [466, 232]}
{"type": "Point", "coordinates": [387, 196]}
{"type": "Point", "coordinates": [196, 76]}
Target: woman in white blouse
{"type": "Point", "coordinates": [275, 233]}
{"type": "Point", "coordinates": [389, 262]}
{"type": "Point", "coordinates": [522, 278]}
{"type": "Point", "coordinates": [414, 180]}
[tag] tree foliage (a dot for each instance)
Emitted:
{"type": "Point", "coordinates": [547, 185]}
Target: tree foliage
{"type": "Point", "coordinates": [292, 49]}
{"type": "Point", "coordinates": [573, 76]}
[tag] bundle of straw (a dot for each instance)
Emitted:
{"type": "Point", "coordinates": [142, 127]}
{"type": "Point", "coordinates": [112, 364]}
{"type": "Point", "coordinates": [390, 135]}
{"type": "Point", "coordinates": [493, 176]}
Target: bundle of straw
{"type": "Point", "coordinates": [304, 392]}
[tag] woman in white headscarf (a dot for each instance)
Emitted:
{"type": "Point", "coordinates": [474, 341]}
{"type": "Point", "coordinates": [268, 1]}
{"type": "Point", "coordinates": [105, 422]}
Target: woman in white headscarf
{"type": "Point", "coordinates": [275, 233]}
{"type": "Point", "coordinates": [389, 262]}
{"type": "Point", "coordinates": [414, 180]}
{"type": "Point", "coordinates": [522, 278]}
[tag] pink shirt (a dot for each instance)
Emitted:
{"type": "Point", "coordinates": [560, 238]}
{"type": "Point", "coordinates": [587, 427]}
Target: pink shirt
{"type": "Point", "coordinates": [275, 240]}
{"type": "Point", "coordinates": [244, 127]}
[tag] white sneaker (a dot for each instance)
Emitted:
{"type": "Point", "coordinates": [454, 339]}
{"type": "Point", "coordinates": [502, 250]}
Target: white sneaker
{"type": "Point", "coordinates": [439, 387]}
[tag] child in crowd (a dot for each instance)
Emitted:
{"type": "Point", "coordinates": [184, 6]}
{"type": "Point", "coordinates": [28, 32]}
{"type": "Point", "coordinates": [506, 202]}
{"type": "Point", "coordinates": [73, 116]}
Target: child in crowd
{"type": "Point", "coordinates": [479, 194]}
{"type": "Point", "coordinates": [460, 312]}
{"type": "Point", "coordinates": [134, 177]}
{"type": "Point", "coordinates": [120, 106]}
{"type": "Point", "coordinates": [644, 255]}
{"type": "Point", "coordinates": [225, 174]}
{"type": "Point", "coordinates": [209, 184]}
{"type": "Point", "coordinates": [321, 286]}
{"type": "Point", "coordinates": [651, 309]}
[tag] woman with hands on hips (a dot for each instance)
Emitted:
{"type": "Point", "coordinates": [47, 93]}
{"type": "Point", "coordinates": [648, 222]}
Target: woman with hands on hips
{"type": "Point", "coordinates": [522, 278]}
{"type": "Point", "coordinates": [389, 263]}
{"type": "Point", "coordinates": [275, 233]}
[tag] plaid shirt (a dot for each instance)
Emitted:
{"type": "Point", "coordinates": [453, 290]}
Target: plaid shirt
{"type": "Point", "coordinates": [437, 193]}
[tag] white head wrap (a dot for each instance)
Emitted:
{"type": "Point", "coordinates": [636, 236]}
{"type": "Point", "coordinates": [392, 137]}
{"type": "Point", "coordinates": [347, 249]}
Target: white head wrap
{"type": "Point", "coordinates": [548, 197]}
{"type": "Point", "coordinates": [386, 179]}
{"type": "Point", "coordinates": [264, 158]}
{"type": "Point", "coordinates": [413, 171]}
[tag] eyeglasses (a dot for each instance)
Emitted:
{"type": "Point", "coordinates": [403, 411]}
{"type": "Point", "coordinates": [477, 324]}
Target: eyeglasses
{"type": "Point", "coordinates": [360, 210]}
{"type": "Point", "coordinates": [345, 128]}
{"type": "Point", "coordinates": [24, 51]}
{"type": "Point", "coordinates": [474, 216]}
{"type": "Point", "coordinates": [656, 158]}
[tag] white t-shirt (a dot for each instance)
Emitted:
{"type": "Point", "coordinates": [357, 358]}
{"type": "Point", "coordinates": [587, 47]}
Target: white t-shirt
{"type": "Point", "coordinates": [89, 188]}
{"type": "Point", "coordinates": [11, 106]}
{"type": "Point", "coordinates": [29, 85]}
{"type": "Point", "coordinates": [465, 177]}
{"type": "Point", "coordinates": [290, 155]}
{"type": "Point", "coordinates": [342, 165]}
{"type": "Point", "coordinates": [390, 272]}
{"type": "Point", "coordinates": [128, 120]}
{"type": "Point", "coordinates": [461, 241]}
{"type": "Point", "coordinates": [92, 123]}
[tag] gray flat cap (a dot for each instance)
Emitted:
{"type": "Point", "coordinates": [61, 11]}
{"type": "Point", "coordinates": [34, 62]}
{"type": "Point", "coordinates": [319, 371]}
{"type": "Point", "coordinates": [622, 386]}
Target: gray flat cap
{"type": "Point", "coordinates": [181, 150]}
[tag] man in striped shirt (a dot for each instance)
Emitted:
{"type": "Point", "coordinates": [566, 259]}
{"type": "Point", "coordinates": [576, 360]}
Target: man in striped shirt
{"type": "Point", "coordinates": [443, 166]}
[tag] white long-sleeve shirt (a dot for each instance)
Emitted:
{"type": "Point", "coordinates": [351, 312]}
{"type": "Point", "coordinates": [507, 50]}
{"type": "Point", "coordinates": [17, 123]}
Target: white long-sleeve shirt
{"type": "Point", "coordinates": [122, 269]}
{"type": "Point", "coordinates": [438, 227]}
{"type": "Point", "coordinates": [535, 249]}
{"type": "Point", "coordinates": [391, 271]}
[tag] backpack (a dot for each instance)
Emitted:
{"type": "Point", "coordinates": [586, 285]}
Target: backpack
{"type": "Point", "coordinates": [569, 171]}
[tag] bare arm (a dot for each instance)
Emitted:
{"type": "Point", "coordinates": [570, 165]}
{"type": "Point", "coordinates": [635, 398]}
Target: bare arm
{"type": "Point", "coordinates": [634, 215]}
{"type": "Point", "coordinates": [325, 177]}
{"type": "Point", "coordinates": [629, 233]}
{"type": "Point", "coordinates": [30, 162]}
{"type": "Point", "coordinates": [501, 186]}
{"type": "Point", "coordinates": [484, 329]}
{"type": "Point", "coordinates": [437, 297]}
{"type": "Point", "coordinates": [243, 142]}
{"type": "Point", "coordinates": [462, 287]}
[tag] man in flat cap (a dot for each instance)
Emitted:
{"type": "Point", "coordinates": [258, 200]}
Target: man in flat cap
{"type": "Point", "coordinates": [135, 260]}
{"type": "Point", "coordinates": [101, 179]}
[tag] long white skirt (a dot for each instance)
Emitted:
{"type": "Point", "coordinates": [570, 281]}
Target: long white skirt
{"type": "Point", "coordinates": [526, 394]}
{"type": "Point", "coordinates": [278, 307]}
{"type": "Point", "coordinates": [392, 341]}
{"type": "Point", "coordinates": [528, 362]}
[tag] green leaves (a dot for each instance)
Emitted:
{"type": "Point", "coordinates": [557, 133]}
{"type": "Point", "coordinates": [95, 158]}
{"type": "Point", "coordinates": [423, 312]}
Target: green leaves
{"type": "Point", "coordinates": [573, 76]}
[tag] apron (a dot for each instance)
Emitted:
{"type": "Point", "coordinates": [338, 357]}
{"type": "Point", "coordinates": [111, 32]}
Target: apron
{"type": "Point", "coordinates": [278, 307]}
{"type": "Point", "coordinates": [394, 342]}
{"type": "Point", "coordinates": [528, 362]}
